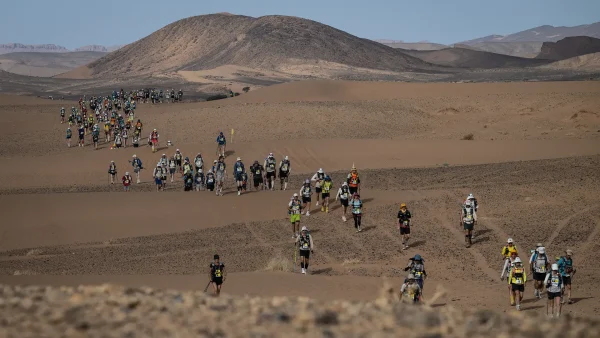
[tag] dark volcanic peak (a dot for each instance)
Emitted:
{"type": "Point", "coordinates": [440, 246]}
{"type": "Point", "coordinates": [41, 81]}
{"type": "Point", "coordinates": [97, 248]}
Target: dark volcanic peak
{"type": "Point", "coordinates": [268, 42]}
{"type": "Point", "coordinates": [569, 47]}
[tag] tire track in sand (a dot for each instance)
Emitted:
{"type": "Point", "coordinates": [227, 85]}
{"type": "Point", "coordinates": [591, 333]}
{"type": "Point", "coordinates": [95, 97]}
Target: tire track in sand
{"type": "Point", "coordinates": [566, 221]}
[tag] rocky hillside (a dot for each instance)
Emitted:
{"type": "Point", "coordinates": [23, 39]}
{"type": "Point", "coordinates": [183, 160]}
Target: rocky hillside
{"type": "Point", "coordinates": [19, 47]}
{"type": "Point", "coordinates": [542, 34]}
{"type": "Point", "coordinates": [569, 47]}
{"type": "Point", "coordinates": [470, 58]}
{"type": "Point", "coordinates": [268, 42]}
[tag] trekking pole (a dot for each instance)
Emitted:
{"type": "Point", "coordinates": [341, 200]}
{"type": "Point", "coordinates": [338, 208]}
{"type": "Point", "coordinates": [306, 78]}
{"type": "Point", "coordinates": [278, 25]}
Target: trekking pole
{"type": "Point", "coordinates": [207, 285]}
{"type": "Point", "coordinates": [295, 257]}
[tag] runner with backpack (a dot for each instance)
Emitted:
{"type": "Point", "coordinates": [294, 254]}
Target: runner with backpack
{"type": "Point", "coordinates": [270, 176]}
{"type": "Point", "coordinates": [238, 171]}
{"type": "Point", "coordinates": [112, 171]}
{"type": "Point", "coordinates": [199, 162]}
{"type": "Point", "coordinates": [517, 279]}
{"type": "Point", "coordinates": [294, 209]}
{"type": "Point", "coordinates": [306, 193]}
{"type": "Point", "coordinates": [468, 221]}
{"type": "Point", "coordinates": [221, 144]}
{"type": "Point", "coordinates": [217, 275]}
{"type": "Point", "coordinates": [404, 217]}
{"type": "Point", "coordinates": [344, 195]}
{"type": "Point", "coordinates": [258, 172]}
{"type": "Point", "coordinates": [305, 246]}
{"type": "Point", "coordinates": [285, 169]}
{"type": "Point", "coordinates": [509, 263]}
{"type": "Point", "coordinates": [158, 175]}
{"type": "Point", "coordinates": [416, 267]}
{"type": "Point", "coordinates": [565, 266]}
{"type": "Point", "coordinates": [410, 289]}
{"type": "Point", "coordinates": [136, 163]}
{"type": "Point", "coordinates": [554, 286]}
{"type": "Point", "coordinates": [210, 180]}
{"type": "Point", "coordinates": [540, 265]}
{"type": "Point", "coordinates": [356, 204]}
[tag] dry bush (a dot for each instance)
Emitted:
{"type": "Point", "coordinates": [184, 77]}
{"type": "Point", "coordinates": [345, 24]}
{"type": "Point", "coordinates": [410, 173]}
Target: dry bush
{"type": "Point", "coordinates": [24, 273]}
{"type": "Point", "coordinates": [351, 261]}
{"type": "Point", "coordinates": [279, 263]}
{"type": "Point", "coordinates": [468, 137]}
{"type": "Point", "coordinates": [34, 252]}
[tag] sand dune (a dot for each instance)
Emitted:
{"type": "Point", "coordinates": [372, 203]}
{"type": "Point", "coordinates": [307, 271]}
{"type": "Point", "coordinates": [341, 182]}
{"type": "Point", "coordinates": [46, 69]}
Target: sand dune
{"type": "Point", "coordinates": [469, 58]}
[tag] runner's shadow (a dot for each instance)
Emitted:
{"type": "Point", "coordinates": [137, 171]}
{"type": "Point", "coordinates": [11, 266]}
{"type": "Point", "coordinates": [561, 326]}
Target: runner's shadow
{"type": "Point", "coordinates": [229, 152]}
{"type": "Point", "coordinates": [322, 271]}
{"type": "Point", "coordinates": [161, 148]}
{"type": "Point", "coordinates": [417, 244]}
{"type": "Point", "coordinates": [368, 199]}
{"type": "Point", "coordinates": [577, 300]}
{"type": "Point", "coordinates": [481, 239]}
{"type": "Point", "coordinates": [368, 228]}
{"type": "Point", "coordinates": [533, 307]}
{"type": "Point", "coordinates": [483, 231]}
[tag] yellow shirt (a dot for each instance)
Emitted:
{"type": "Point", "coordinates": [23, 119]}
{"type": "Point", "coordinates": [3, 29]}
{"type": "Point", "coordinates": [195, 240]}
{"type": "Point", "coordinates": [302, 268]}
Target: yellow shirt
{"type": "Point", "coordinates": [326, 187]}
{"type": "Point", "coordinates": [508, 250]}
{"type": "Point", "coordinates": [517, 276]}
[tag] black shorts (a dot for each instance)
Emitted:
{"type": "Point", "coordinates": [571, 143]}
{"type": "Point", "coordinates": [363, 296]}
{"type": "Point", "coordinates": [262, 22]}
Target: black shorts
{"type": "Point", "coordinates": [257, 181]}
{"type": "Point", "coordinates": [178, 163]}
{"type": "Point", "coordinates": [539, 276]}
{"type": "Point", "coordinates": [552, 295]}
{"type": "Point", "coordinates": [210, 186]}
{"type": "Point", "coordinates": [239, 178]}
{"type": "Point", "coordinates": [270, 174]}
{"type": "Point", "coordinates": [283, 176]}
{"type": "Point", "coordinates": [566, 280]}
{"type": "Point", "coordinates": [217, 280]}
{"type": "Point", "coordinates": [405, 230]}
{"type": "Point", "coordinates": [305, 253]}
{"type": "Point", "coordinates": [353, 190]}
{"type": "Point", "coordinates": [80, 137]}
{"type": "Point", "coordinates": [344, 202]}
{"type": "Point", "coordinates": [171, 170]}
{"type": "Point", "coordinates": [318, 190]}
{"type": "Point", "coordinates": [517, 287]}
{"type": "Point", "coordinates": [324, 195]}
{"type": "Point", "coordinates": [305, 199]}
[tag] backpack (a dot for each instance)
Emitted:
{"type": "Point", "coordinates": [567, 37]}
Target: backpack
{"type": "Point", "coordinates": [285, 166]}
{"type": "Point", "coordinates": [468, 215]}
{"type": "Point", "coordinates": [539, 268]}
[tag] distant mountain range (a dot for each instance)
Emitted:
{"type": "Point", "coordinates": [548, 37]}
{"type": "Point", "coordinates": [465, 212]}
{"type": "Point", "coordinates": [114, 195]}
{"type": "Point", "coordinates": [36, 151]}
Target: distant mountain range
{"type": "Point", "coordinates": [51, 48]}
{"type": "Point", "coordinates": [541, 34]}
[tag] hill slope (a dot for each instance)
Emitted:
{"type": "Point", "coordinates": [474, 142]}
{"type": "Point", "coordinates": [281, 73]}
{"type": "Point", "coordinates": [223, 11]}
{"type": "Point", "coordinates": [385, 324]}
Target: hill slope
{"type": "Point", "coordinates": [569, 47]}
{"type": "Point", "coordinates": [269, 42]}
{"type": "Point", "coordinates": [588, 62]}
{"type": "Point", "coordinates": [519, 49]}
{"type": "Point", "coordinates": [19, 47]}
{"type": "Point", "coordinates": [469, 58]}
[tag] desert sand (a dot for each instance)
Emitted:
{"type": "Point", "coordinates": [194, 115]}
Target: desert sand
{"type": "Point", "coordinates": [532, 161]}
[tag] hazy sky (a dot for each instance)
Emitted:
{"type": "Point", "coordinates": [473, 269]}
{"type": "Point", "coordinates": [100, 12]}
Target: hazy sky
{"type": "Point", "coordinates": [74, 23]}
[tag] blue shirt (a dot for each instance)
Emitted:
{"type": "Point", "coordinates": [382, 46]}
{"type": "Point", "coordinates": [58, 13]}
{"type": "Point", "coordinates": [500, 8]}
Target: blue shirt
{"type": "Point", "coordinates": [221, 140]}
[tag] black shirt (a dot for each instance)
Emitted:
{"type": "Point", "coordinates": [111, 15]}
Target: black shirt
{"type": "Point", "coordinates": [404, 216]}
{"type": "Point", "coordinates": [216, 270]}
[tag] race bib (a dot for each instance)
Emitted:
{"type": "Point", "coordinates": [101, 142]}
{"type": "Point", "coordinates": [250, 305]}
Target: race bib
{"type": "Point", "coordinates": [518, 281]}
{"type": "Point", "coordinates": [239, 169]}
{"type": "Point", "coordinates": [305, 245]}
{"type": "Point", "coordinates": [218, 273]}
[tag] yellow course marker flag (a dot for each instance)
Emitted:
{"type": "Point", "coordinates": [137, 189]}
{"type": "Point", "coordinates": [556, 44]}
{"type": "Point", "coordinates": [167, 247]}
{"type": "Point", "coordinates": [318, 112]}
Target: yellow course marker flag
{"type": "Point", "coordinates": [232, 131]}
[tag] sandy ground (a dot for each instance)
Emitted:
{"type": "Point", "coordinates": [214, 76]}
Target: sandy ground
{"type": "Point", "coordinates": [532, 164]}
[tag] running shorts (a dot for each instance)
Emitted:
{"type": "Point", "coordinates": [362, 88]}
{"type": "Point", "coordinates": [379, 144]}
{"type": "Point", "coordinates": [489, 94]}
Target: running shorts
{"type": "Point", "coordinates": [294, 218]}
{"type": "Point", "coordinates": [517, 287]}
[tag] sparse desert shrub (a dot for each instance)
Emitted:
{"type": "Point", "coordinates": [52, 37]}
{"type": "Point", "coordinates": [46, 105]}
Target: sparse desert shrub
{"type": "Point", "coordinates": [279, 263]}
{"type": "Point", "coordinates": [246, 89]}
{"type": "Point", "coordinates": [34, 252]}
{"type": "Point", "coordinates": [216, 97]}
{"type": "Point", "coordinates": [468, 137]}
{"type": "Point", "coordinates": [351, 261]}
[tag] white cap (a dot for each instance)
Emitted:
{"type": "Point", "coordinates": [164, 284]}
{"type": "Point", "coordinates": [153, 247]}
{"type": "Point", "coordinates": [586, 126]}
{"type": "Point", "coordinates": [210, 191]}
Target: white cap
{"type": "Point", "coordinates": [239, 158]}
{"type": "Point", "coordinates": [510, 240]}
{"type": "Point", "coordinates": [471, 195]}
{"type": "Point", "coordinates": [304, 228]}
{"type": "Point", "coordinates": [215, 161]}
{"type": "Point", "coordinates": [270, 154]}
{"type": "Point", "coordinates": [126, 173]}
{"type": "Point", "coordinates": [467, 203]}
{"type": "Point", "coordinates": [295, 194]}
{"type": "Point", "coordinates": [321, 170]}
{"type": "Point", "coordinates": [164, 154]}
{"type": "Point", "coordinates": [286, 157]}
{"type": "Point", "coordinates": [554, 267]}
{"type": "Point", "coordinates": [134, 155]}
{"type": "Point", "coordinates": [345, 183]}
{"type": "Point", "coordinates": [541, 250]}
{"type": "Point", "coordinates": [177, 150]}
{"type": "Point", "coordinates": [517, 260]}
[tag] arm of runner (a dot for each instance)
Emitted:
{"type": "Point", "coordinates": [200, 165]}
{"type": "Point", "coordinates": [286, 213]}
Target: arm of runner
{"type": "Point", "coordinates": [312, 244]}
{"type": "Point", "coordinates": [314, 178]}
{"type": "Point", "coordinates": [338, 194]}
{"type": "Point", "coordinates": [546, 279]}
{"type": "Point", "coordinates": [504, 267]}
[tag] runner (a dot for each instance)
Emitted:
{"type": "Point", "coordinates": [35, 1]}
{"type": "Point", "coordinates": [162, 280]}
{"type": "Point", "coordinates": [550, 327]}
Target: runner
{"type": "Point", "coordinates": [473, 201]}
{"type": "Point", "coordinates": [509, 263]}
{"type": "Point", "coordinates": [244, 181]}
{"type": "Point", "coordinates": [221, 173]}
{"type": "Point", "coordinates": [269, 166]}
{"type": "Point", "coordinates": [306, 192]}
{"type": "Point", "coordinates": [199, 162]}
{"type": "Point", "coordinates": [62, 115]}
{"type": "Point", "coordinates": [517, 279]}
{"type": "Point", "coordinates": [318, 178]}
{"type": "Point", "coordinates": [285, 168]}
{"type": "Point", "coordinates": [468, 220]}
{"type": "Point", "coordinates": [199, 180]}
{"type": "Point", "coordinates": [154, 139]}
{"type": "Point", "coordinates": [178, 161]}
{"type": "Point", "coordinates": [404, 217]}
{"type": "Point", "coordinates": [172, 168]}
{"type": "Point", "coordinates": [326, 188]}
{"type": "Point", "coordinates": [210, 180]}
{"type": "Point", "coordinates": [214, 166]}
{"type": "Point", "coordinates": [238, 171]}
{"type": "Point", "coordinates": [554, 286]}
{"type": "Point", "coordinates": [136, 163]}
{"type": "Point", "coordinates": [188, 181]}
{"type": "Point", "coordinates": [353, 181]}
{"type": "Point", "coordinates": [158, 175]}
{"type": "Point", "coordinates": [118, 138]}
{"type": "Point", "coordinates": [221, 144]}
{"type": "Point", "coordinates": [125, 136]}
{"type": "Point", "coordinates": [306, 246]}
{"type": "Point", "coordinates": [126, 181]}
{"type": "Point", "coordinates": [107, 131]}
{"type": "Point", "coordinates": [187, 167]}
{"type": "Point", "coordinates": [565, 266]}
{"type": "Point", "coordinates": [69, 135]}
{"type": "Point", "coordinates": [410, 290]}
{"type": "Point", "coordinates": [217, 275]}
{"type": "Point", "coordinates": [258, 172]}
{"type": "Point", "coordinates": [509, 248]}
{"type": "Point", "coordinates": [356, 205]}
{"type": "Point", "coordinates": [539, 266]}
{"type": "Point", "coordinates": [294, 211]}
{"type": "Point", "coordinates": [81, 133]}
{"type": "Point", "coordinates": [344, 195]}
{"type": "Point", "coordinates": [416, 267]}
{"type": "Point", "coordinates": [95, 136]}
{"type": "Point", "coordinates": [112, 171]}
